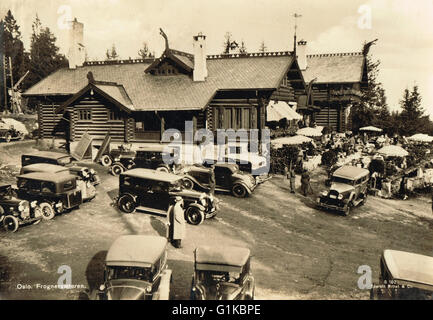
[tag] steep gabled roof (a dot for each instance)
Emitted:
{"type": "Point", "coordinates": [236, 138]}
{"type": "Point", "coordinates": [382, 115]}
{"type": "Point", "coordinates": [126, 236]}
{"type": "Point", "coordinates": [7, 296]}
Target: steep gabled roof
{"type": "Point", "coordinates": [335, 67]}
{"type": "Point", "coordinates": [149, 92]}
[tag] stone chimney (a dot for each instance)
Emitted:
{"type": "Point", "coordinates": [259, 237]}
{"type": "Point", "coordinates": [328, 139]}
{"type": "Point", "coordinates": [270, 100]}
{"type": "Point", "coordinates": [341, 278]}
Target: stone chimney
{"type": "Point", "coordinates": [200, 68]}
{"type": "Point", "coordinates": [76, 53]}
{"type": "Point", "coordinates": [301, 54]}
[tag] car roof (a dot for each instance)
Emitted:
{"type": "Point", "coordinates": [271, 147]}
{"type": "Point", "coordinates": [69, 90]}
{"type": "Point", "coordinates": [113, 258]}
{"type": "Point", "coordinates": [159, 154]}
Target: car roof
{"type": "Point", "coordinates": [350, 172]}
{"type": "Point", "coordinates": [216, 258]}
{"type": "Point", "coordinates": [155, 148]}
{"type": "Point", "coordinates": [152, 175]}
{"type": "Point", "coordinates": [47, 176]}
{"type": "Point", "coordinates": [46, 167]}
{"type": "Point", "coordinates": [48, 154]}
{"type": "Point", "coordinates": [409, 267]}
{"type": "Point", "coordinates": [136, 251]}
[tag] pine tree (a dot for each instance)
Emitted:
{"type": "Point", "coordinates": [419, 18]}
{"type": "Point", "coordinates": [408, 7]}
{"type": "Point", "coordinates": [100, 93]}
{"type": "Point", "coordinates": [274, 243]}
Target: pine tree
{"type": "Point", "coordinates": [412, 119]}
{"type": "Point", "coordinates": [243, 48]}
{"type": "Point", "coordinates": [229, 44]}
{"type": "Point", "coordinates": [263, 47]}
{"type": "Point", "coordinates": [111, 54]}
{"type": "Point", "coordinates": [144, 52]}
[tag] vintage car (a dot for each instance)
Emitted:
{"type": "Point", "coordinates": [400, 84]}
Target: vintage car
{"type": "Point", "coordinates": [228, 178]}
{"type": "Point", "coordinates": [88, 190]}
{"type": "Point", "coordinates": [222, 273]}
{"type": "Point", "coordinates": [8, 132]}
{"type": "Point", "coordinates": [15, 211]}
{"type": "Point", "coordinates": [53, 193]}
{"type": "Point", "coordinates": [61, 159]}
{"type": "Point", "coordinates": [349, 188]}
{"type": "Point", "coordinates": [149, 158]}
{"type": "Point", "coordinates": [136, 269]}
{"type": "Point", "coordinates": [248, 162]}
{"type": "Point", "coordinates": [404, 276]}
{"type": "Point", "coordinates": [154, 191]}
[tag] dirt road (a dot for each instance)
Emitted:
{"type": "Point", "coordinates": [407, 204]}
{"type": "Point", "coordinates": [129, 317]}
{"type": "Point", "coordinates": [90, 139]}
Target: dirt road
{"type": "Point", "coordinates": [299, 251]}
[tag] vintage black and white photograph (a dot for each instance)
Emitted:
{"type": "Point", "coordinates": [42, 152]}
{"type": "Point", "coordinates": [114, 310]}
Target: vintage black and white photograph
{"type": "Point", "coordinates": [216, 150]}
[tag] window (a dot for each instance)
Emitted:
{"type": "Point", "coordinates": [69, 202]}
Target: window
{"type": "Point", "coordinates": [85, 115]}
{"type": "Point", "coordinates": [114, 116]}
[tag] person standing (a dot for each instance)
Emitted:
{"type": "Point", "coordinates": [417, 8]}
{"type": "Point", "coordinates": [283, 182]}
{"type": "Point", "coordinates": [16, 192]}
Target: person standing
{"type": "Point", "coordinates": [292, 177]}
{"type": "Point", "coordinates": [212, 181]}
{"type": "Point", "coordinates": [176, 223]}
{"type": "Point", "coordinates": [305, 182]}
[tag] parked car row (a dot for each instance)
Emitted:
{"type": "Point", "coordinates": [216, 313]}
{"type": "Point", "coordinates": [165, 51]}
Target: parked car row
{"type": "Point", "coordinates": [136, 269]}
{"type": "Point", "coordinates": [48, 184]}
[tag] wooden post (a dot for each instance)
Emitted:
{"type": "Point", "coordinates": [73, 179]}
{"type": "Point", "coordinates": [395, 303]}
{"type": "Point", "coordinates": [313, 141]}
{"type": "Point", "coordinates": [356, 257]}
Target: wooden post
{"type": "Point", "coordinates": [162, 119]}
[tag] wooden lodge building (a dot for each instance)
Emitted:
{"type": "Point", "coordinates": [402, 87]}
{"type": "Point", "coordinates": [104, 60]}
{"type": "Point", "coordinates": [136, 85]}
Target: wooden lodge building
{"type": "Point", "coordinates": [136, 100]}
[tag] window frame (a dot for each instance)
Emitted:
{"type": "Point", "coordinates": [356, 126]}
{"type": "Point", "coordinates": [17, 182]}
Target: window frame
{"type": "Point", "coordinates": [86, 111]}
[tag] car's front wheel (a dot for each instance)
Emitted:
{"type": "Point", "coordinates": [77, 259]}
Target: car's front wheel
{"type": "Point", "coordinates": [239, 191]}
{"type": "Point", "coordinates": [194, 216]}
{"type": "Point", "coordinates": [187, 183]}
{"type": "Point", "coordinates": [10, 224]}
{"type": "Point", "coordinates": [106, 160]}
{"type": "Point", "coordinates": [117, 169]}
{"type": "Point", "coordinates": [47, 211]}
{"type": "Point", "coordinates": [126, 203]}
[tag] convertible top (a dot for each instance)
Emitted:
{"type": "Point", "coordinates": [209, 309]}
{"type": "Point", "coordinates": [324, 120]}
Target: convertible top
{"type": "Point", "coordinates": [48, 154]}
{"type": "Point", "coordinates": [48, 176]}
{"type": "Point", "coordinates": [350, 172]}
{"type": "Point", "coordinates": [152, 175]}
{"type": "Point", "coordinates": [410, 267]}
{"type": "Point", "coordinates": [136, 251]}
{"type": "Point", "coordinates": [45, 167]}
{"type": "Point", "coordinates": [221, 258]}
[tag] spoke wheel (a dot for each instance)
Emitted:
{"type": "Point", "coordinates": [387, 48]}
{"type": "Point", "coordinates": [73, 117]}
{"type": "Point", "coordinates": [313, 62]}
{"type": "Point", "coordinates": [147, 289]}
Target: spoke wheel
{"type": "Point", "coordinates": [10, 224]}
{"type": "Point", "coordinates": [47, 211]}
{"type": "Point", "coordinates": [194, 216]}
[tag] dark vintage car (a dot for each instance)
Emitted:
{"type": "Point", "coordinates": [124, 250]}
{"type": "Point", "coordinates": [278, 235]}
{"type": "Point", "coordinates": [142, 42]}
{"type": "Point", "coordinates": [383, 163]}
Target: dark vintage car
{"type": "Point", "coordinates": [61, 159]}
{"type": "Point", "coordinates": [149, 158]}
{"type": "Point", "coordinates": [222, 273]}
{"type": "Point", "coordinates": [135, 269]}
{"type": "Point", "coordinates": [8, 132]}
{"type": "Point", "coordinates": [88, 190]}
{"type": "Point", "coordinates": [228, 178]}
{"type": "Point", "coordinates": [15, 211]}
{"type": "Point", "coordinates": [154, 191]}
{"type": "Point", "coordinates": [54, 193]}
{"type": "Point", "coordinates": [404, 276]}
{"type": "Point", "coordinates": [349, 188]}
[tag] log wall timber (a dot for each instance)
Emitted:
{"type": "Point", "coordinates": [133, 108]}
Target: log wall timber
{"type": "Point", "coordinates": [284, 93]}
{"type": "Point", "coordinates": [100, 122]}
{"type": "Point", "coordinates": [49, 122]}
{"type": "Point", "coordinates": [328, 117]}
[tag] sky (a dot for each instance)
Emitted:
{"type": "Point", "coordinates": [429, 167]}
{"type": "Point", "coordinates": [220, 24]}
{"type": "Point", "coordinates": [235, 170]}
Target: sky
{"type": "Point", "coordinates": [404, 29]}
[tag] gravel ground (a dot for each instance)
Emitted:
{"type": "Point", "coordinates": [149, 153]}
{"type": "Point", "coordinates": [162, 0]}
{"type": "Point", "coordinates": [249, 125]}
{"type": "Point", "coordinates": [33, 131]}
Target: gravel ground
{"type": "Point", "coordinates": [299, 252]}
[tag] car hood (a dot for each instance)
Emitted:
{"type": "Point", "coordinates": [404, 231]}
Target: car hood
{"type": "Point", "coordinates": [188, 193]}
{"type": "Point", "coordinates": [222, 291]}
{"type": "Point", "coordinates": [127, 290]}
{"type": "Point", "coordinates": [248, 179]}
{"type": "Point", "coordinates": [341, 187]}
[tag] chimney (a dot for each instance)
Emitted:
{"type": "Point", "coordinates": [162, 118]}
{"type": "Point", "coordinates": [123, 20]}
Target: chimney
{"type": "Point", "coordinates": [200, 68]}
{"type": "Point", "coordinates": [76, 54]}
{"type": "Point", "coordinates": [301, 54]}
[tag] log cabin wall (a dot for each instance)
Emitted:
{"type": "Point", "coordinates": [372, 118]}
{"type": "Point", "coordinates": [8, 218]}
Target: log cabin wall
{"type": "Point", "coordinates": [95, 116]}
{"type": "Point", "coordinates": [51, 124]}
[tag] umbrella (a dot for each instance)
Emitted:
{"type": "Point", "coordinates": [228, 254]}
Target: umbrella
{"type": "Point", "coordinates": [279, 110]}
{"type": "Point", "coordinates": [278, 143]}
{"type": "Point", "coordinates": [393, 151]}
{"type": "Point", "coordinates": [370, 128]}
{"type": "Point", "coordinates": [421, 137]}
{"type": "Point", "coordinates": [309, 132]}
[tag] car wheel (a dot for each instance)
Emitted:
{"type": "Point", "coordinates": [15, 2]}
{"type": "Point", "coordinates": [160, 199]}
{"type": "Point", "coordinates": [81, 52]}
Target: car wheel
{"type": "Point", "coordinates": [239, 191]}
{"type": "Point", "coordinates": [106, 160]}
{"type": "Point", "coordinates": [47, 211]}
{"type": "Point", "coordinates": [126, 204]}
{"type": "Point", "coordinates": [117, 169]}
{"type": "Point", "coordinates": [187, 183]}
{"type": "Point", "coordinates": [162, 169]}
{"type": "Point", "coordinates": [10, 224]}
{"type": "Point", "coordinates": [8, 137]}
{"type": "Point", "coordinates": [37, 221]}
{"type": "Point", "coordinates": [194, 215]}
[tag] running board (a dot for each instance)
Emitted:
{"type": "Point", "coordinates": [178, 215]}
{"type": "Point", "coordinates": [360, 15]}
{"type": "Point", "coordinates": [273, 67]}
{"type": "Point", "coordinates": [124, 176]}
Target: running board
{"type": "Point", "coordinates": [152, 210]}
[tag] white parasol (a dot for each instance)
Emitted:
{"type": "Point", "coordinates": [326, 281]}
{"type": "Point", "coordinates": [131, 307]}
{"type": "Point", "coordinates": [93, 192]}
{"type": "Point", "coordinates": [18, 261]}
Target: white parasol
{"type": "Point", "coordinates": [421, 137]}
{"type": "Point", "coordinates": [295, 140]}
{"type": "Point", "coordinates": [393, 151]}
{"type": "Point", "coordinates": [309, 132]}
{"type": "Point", "coordinates": [370, 128]}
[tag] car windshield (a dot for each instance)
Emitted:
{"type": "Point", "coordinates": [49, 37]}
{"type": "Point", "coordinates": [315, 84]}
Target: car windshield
{"type": "Point", "coordinates": [136, 273]}
{"type": "Point", "coordinates": [342, 180]}
{"type": "Point", "coordinates": [213, 277]}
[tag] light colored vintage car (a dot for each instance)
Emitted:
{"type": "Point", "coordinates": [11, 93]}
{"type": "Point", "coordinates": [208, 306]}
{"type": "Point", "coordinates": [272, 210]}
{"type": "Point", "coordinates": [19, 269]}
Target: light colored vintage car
{"type": "Point", "coordinates": [349, 188]}
{"type": "Point", "coordinates": [222, 273]}
{"type": "Point", "coordinates": [404, 275]}
{"type": "Point", "coordinates": [136, 269]}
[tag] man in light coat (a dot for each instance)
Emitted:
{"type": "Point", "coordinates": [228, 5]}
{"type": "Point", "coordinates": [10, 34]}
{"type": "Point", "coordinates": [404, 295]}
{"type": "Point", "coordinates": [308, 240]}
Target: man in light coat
{"type": "Point", "coordinates": [176, 223]}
